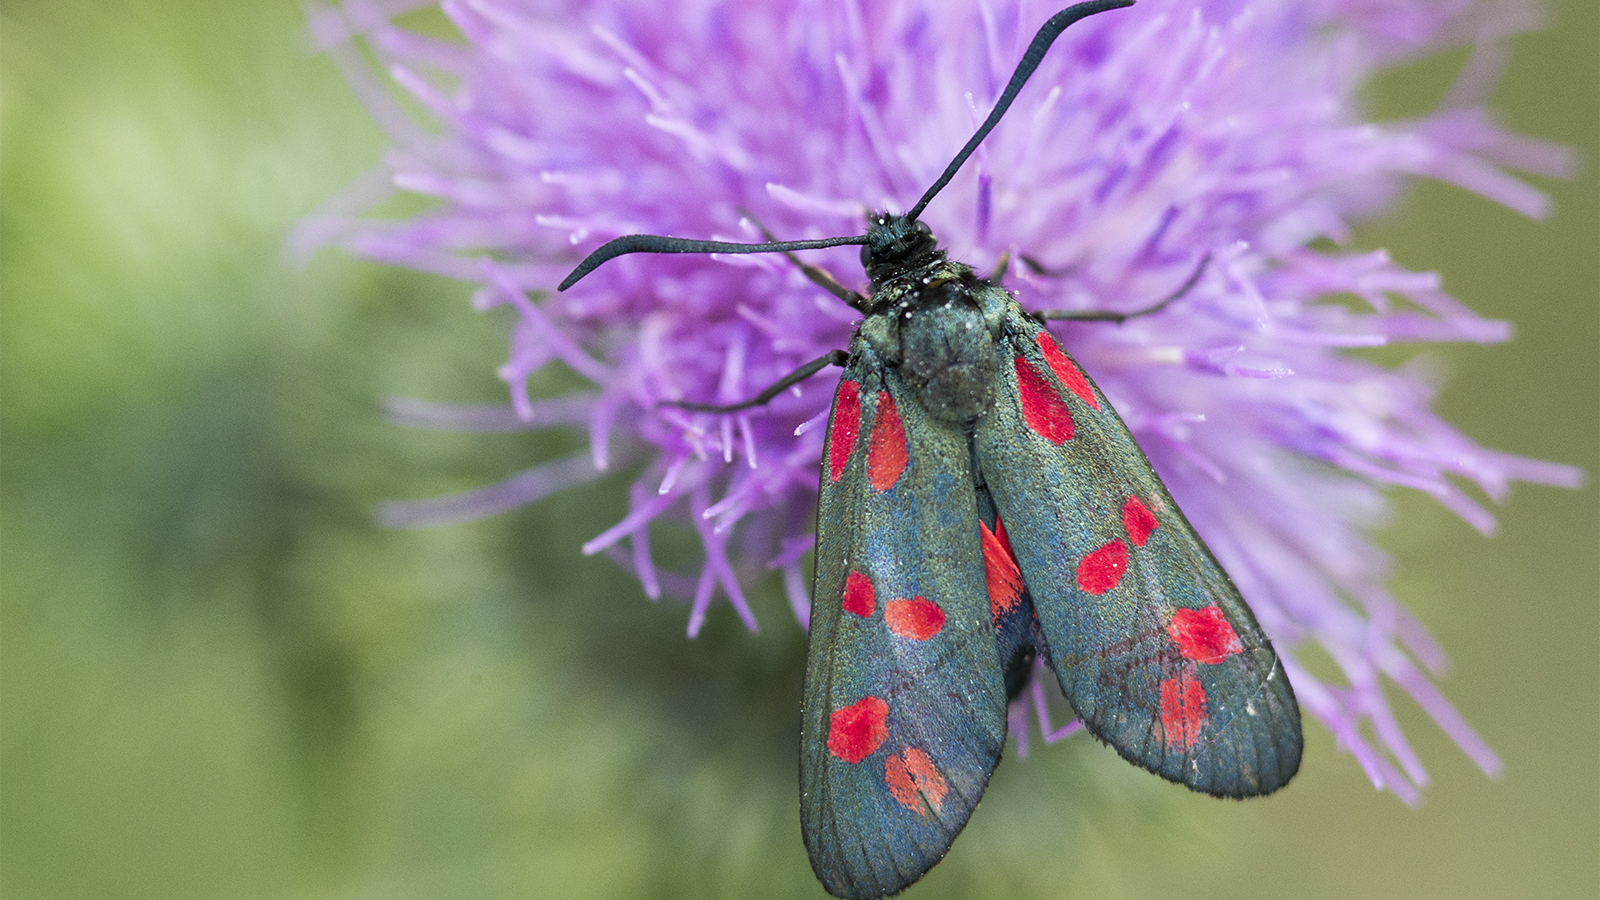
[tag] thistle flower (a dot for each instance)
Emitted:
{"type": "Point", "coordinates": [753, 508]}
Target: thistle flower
{"type": "Point", "coordinates": [1146, 140]}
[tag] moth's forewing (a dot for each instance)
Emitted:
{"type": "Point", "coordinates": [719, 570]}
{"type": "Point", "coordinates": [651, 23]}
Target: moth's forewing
{"type": "Point", "coordinates": [904, 713]}
{"type": "Point", "coordinates": [1150, 640]}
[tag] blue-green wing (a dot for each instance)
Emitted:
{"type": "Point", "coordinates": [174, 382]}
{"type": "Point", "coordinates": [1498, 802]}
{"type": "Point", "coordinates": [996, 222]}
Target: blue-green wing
{"type": "Point", "coordinates": [1152, 644]}
{"type": "Point", "coordinates": [905, 711]}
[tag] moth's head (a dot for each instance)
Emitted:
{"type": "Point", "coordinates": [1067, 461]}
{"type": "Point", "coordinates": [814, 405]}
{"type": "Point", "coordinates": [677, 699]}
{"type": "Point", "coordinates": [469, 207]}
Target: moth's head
{"type": "Point", "coordinates": [895, 243]}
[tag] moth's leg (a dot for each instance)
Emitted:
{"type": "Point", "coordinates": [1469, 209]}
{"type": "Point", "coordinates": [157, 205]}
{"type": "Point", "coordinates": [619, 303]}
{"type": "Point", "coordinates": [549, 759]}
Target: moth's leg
{"type": "Point", "coordinates": [831, 358]}
{"type": "Point", "coordinates": [1100, 315]}
{"type": "Point", "coordinates": [818, 275]}
{"type": "Point", "coordinates": [1001, 267]}
{"type": "Point", "coordinates": [1038, 268]}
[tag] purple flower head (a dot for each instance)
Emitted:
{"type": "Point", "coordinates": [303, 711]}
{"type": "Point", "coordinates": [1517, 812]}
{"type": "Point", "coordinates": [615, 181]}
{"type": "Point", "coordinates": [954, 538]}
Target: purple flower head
{"type": "Point", "coordinates": [1149, 138]}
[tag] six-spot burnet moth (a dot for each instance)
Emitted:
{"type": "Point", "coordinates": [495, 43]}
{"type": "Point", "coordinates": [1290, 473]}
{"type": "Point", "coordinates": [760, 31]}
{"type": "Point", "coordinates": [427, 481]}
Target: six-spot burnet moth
{"type": "Point", "coordinates": [981, 504]}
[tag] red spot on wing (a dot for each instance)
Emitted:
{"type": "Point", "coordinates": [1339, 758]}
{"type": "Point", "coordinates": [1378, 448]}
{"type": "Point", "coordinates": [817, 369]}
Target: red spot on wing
{"type": "Point", "coordinates": [1066, 369]}
{"type": "Point", "coordinates": [1101, 570]}
{"type": "Point", "coordinates": [916, 619]}
{"type": "Point", "coordinates": [859, 596]}
{"type": "Point", "coordinates": [846, 425]}
{"type": "Point", "coordinates": [1000, 570]}
{"type": "Point", "coordinates": [886, 451]}
{"type": "Point", "coordinates": [1042, 407]}
{"type": "Point", "coordinates": [858, 729]}
{"type": "Point", "coordinates": [1003, 536]}
{"type": "Point", "coordinates": [1138, 520]}
{"type": "Point", "coordinates": [914, 780]}
{"type": "Point", "coordinates": [1183, 709]}
{"type": "Point", "coordinates": [1204, 635]}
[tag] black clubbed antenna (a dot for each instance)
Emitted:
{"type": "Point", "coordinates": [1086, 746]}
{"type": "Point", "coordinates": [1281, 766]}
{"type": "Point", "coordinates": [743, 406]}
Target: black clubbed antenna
{"type": "Point", "coordinates": [1030, 61]}
{"type": "Point", "coordinates": [655, 243]}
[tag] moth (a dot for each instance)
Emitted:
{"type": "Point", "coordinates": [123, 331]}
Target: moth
{"type": "Point", "coordinates": [981, 506]}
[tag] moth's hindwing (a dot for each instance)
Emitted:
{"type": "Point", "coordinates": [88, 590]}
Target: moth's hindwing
{"type": "Point", "coordinates": [905, 711]}
{"type": "Point", "coordinates": [1151, 642]}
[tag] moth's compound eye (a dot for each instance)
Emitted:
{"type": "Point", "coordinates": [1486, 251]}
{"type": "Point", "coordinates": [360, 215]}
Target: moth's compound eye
{"type": "Point", "coordinates": [866, 255]}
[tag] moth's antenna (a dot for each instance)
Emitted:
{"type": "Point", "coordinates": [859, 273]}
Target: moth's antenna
{"type": "Point", "coordinates": [1030, 61]}
{"type": "Point", "coordinates": [655, 243]}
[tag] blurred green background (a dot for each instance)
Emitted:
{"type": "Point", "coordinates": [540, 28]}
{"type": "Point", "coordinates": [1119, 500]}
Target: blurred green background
{"type": "Point", "coordinates": [221, 679]}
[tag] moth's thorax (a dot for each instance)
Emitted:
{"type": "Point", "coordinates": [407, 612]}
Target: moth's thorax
{"type": "Point", "coordinates": [939, 326]}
